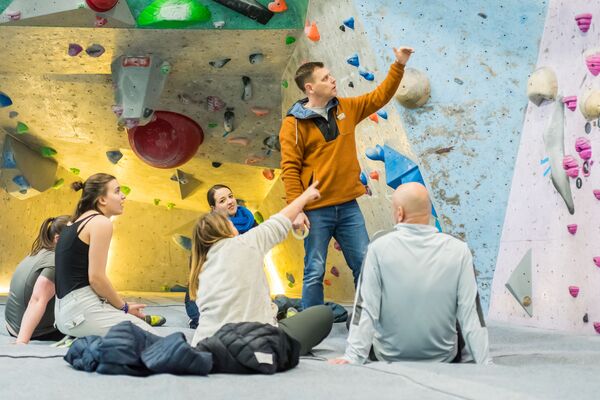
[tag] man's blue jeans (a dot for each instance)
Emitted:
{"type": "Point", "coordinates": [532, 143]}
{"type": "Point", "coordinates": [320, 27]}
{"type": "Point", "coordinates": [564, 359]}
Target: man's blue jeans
{"type": "Point", "coordinates": [346, 224]}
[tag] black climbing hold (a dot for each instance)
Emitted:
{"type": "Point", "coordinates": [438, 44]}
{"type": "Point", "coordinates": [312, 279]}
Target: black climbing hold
{"type": "Point", "coordinates": [586, 167]}
{"type": "Point", "coordinates": [247, 83]}
{"type": "Point", "coordinates": [250, 8]}
{"type": "Point", "coordinates": [585, 318]}
{"type": "Point", "coordinates": [458, 80]}
{"type": "Point", "coordinates": [578, 183]}
{"type": "Point", "coordinates": [482, 15]}
{"type": "Point", "coordinates": [148, 112]}
{"type": "Point", "coordinates": [220, 63]}
{"type": "Point", "coordinates": [342, 28]}
{"type": "Point", "coordinates": [588, 128]}
{"type": "Point", "coordinates": [216, 164]}
{"type": "Point", "coordinates": [351, 84]}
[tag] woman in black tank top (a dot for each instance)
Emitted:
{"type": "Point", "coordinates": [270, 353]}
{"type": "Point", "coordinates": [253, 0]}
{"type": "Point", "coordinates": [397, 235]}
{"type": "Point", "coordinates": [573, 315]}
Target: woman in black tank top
{"type": "Point", "coordinates": [87, 303]}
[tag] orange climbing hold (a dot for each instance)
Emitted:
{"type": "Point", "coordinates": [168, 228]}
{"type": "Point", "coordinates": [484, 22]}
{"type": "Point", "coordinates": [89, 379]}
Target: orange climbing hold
{"type": "Point", "coordinates": [312, 32]}
{"type": "Point", "coordinates": [327, 282]}
{"type": "Point", "coordinates": [373, 117]}
{"type": "Point", "coordinates": [277, 6]}
{"type": "Point", "coordinates": [374, 175]}
{"type": "Point", "coordinates": [242, 141]}
{"type": "Point", "coordinates": [259, 111]}
{"type": "Point", "coordinates": [269, 173]}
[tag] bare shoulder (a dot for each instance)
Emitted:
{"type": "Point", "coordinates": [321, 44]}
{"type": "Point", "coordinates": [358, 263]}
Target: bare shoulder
{"type": "Point", "coordinates": [100, 223]}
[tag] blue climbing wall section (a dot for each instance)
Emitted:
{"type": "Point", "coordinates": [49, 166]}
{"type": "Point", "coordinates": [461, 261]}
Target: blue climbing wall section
{"type": "Point", "coordinates": [478, 56]}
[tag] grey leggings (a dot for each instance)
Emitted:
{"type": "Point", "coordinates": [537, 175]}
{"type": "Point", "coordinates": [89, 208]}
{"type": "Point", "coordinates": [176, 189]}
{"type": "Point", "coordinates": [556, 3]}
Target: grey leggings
{"type": "Point", "coordinates": [309, 327]}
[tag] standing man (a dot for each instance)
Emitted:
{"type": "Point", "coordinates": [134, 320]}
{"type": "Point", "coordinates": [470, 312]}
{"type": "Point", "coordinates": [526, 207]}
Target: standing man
{"type": "Point", "coordinates": [318, 143]}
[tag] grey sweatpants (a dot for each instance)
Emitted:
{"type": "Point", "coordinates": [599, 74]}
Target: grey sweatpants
{"type": "Point", "coordinates": [83, 313]}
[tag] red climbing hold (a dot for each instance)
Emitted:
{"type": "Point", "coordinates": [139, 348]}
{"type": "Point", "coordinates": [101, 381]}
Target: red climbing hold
{"type": "Point", "coordinates": [337, 246]}
{"type": "Point", "coordinates": [574, 290]}
{"type": "Point", "coordinates": [312, 32]}
{"type": "Point", "coordinates": [328, 283]}
{"type": "Point", "coordinates": [572, 228]}
{"type": "Point", "coordinates": [269, 173]}
{"type": "Point", "coordinates": [101, 5]}
{"type": "Point", "coordinates": [584, 21]}
{"type": "Point", "coordinates": [277, 6]}
{"type": "Point", "coordinates": [374, 175]}
{"type": "Point", "coordinates": [259, 111]}
{"type": "Point", "coordinates": [373, 117]}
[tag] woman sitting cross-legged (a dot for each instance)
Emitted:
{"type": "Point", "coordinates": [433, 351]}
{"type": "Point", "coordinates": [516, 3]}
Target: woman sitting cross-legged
{"type": "Point", "coordinates": [228, 282]}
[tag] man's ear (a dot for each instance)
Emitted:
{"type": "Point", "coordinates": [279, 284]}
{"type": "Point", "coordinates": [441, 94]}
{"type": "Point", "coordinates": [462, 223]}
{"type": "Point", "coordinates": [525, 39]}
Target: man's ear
{"type": "Point", "coordinates": [308, 88]}
{"type": "Point", "coordinates": [399, 214]}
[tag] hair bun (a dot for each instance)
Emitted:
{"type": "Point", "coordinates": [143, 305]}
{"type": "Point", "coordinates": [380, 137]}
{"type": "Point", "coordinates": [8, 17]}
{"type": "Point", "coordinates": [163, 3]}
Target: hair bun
{"type": "Point", "coordinates": [77, 186]}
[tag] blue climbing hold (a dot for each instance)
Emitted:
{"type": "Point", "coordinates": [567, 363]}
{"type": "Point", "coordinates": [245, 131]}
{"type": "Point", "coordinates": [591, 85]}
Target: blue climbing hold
{"type": "Point", "coordinates": [8, 160]}
{"type": "Point", "coordinates": [375, 153]}
{"type": "Point", "coordinates": [22, 183]}
{"type": "Point", "coordinates": [183, 241]}
{"type": "Point", "coordinates": [349, 22]}
{"type": "Point", "coordinates": [5, 101]}
{"type": "Point", "coordinates": [114, 156]}
{"type": "Point", "coordinates": [353, 60]}
{"type": "Point", "coordinates": [382, 114]}
{"type": "Point", "coordinates": [363, 178]}
{"type": "Point", "coordinates": [367, 75]}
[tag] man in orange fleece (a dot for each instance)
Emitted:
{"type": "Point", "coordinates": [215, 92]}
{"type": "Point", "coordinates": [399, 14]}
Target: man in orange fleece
{"type": "Point", "coordinates": [318, 143]}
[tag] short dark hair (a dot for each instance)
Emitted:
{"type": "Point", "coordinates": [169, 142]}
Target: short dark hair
{"type": "Point", "coordinates": [304, 73]}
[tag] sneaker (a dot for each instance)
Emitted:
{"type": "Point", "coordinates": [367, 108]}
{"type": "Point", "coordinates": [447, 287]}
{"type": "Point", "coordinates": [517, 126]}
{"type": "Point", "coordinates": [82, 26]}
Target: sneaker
{"type": "Point", "coordinates": [193, 324]}
{"type": "Point", "coordinates": [291, 312]}
{"type": "Point", "coordinates": [67, 341]}
{"type": "Point", "coordinates": [155, 320]}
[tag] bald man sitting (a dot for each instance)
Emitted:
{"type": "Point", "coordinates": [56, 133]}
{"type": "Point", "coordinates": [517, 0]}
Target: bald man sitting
{"type": "Point", "coordinates": [415, 285]}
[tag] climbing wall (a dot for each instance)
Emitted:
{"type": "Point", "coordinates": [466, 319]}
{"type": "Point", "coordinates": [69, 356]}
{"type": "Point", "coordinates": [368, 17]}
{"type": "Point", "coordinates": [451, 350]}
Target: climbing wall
{"type": "Point", "coordinates": [546, 275]}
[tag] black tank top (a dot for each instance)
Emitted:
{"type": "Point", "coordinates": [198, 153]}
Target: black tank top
{"type": "Point", "coordinates": [72, 259]}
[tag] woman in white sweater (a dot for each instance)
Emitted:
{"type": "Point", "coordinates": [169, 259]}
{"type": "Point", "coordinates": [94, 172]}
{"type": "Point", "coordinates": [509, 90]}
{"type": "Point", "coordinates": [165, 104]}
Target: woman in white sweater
{"type": "Point", "coordinates": [228, 282]}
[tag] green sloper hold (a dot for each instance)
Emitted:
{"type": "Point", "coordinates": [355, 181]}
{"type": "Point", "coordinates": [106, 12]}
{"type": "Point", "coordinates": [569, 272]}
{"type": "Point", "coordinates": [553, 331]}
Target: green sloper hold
{"type": "Point", "coordinates": [74, 171]}
{"type": "Point", "coordinates": [258, 217]}
{"type": "Point", "coordinates": [212, 124]}
{"type": "Point", "coordinates": [58, 184]}
{"type": "Point", "coordinates": [156, 202]}
{"type": "Point", "coordinates": [284, 83]}
{"type": "Point", "coordinates": [290, 40]}
{"type": "Point", "coordinates": [125, 190]}
{"type": "Point", "coordinates": [173, 14]}
{"type": "Point", "coordinates": [22, 128]}
{"type": "Point", "coordinates": [170, 206]}
{"type": "Point", "coordinates": [48, 152]}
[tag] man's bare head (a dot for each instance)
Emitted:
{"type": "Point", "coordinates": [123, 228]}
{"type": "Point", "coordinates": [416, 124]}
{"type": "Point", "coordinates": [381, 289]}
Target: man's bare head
{"type": "Point", "coordinates": [411, 205]}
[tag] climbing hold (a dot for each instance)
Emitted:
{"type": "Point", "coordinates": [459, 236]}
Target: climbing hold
{"type": "Point", "coordinates": [101, 5]}
{"type": "Point", "coordinates": [570, 165]}
{"type": "Point", "coordinates": [184, 98]}
{"type": "Point", "coordinates": [590, 104]}
{"type": "Point", "coordinates": [597, 193]}
{"type": "Point", "coordinates": [170, 206]}
{"type": "Point", "coordinates": [277, 6]}
{"type": "Point", "coordinates": [458, 81]}
{"type": "Point", "coordinates": [289, 40]}
{"type": "Point", "coordinates": [22, 183]}
{"type": "Point", "coordinates": [578, 183]}
{"type": "Point", "coordinates": [256, 58]}
{"type": "Point", "coordinates": [335, 272]}
{"type": "Point", "coordinates": [585, 318]}
{"type": "Point", "coordinates": [216, 164]}
{"type": "Point", "coordinates": [383, 114]}
{"type": "Point", "coordinates": [22, 128]}
{"type": "Point", "coordinates": [583, 21]}
{"type": "Point", "coordinates": [327, 282]}
{"type": "Point", "coordinates": [5, 101]}
{"type": "Point", "coordinates": [229, 118]}
{"type": "Point", "coordinates": [375, 153]}
{"type": "Point", "coordinates": [367, 75]}
{"type": "Point", "coordinates": [290, 278]}
{"type": "Point", "coordinates": [337, 246]}
{"type": "Point", "coordinates": [125, 190]}
{"type": "Point", "coordinates": [349, 22]}
{"type": "Point", "coordinates": [312, 32]}
{"type": "Point", "coordinates": [526, 301]}
{"type": "Point", "coordinates": [74, 49]}
{"type": "Point", "coordinates": [350, 84]}
{"type": "Point", "coordinates": [173, 14]}
{"type": "Point", "coordinates": [117, 110]}
{"type": "Point", "coordinates": [259, 111]}
{"type": "Point", "coordinates": [269, 173]}
{"type": "Point", "coordinates": [258, 217]}
{"type": "Point", "coordinates": [165, 68]}
{"type": "Point", "coordinates": [570, 102]}
{"type": "Point", "coordinates": [363, 178]}
{"type": "Point", "coordinates": [156, 202]}
{"type": "Point", "coordinates": [219, 24]}
{"type": "Point", "coordinates": [368, 191]}
{"type": "Point", "coordinates": [353, 60]}
{"type": "Point", "coordinates": [414, 90]}
{"type": "Point", "coordinates": [58, 184]}
{"type": "Point", "coordinates": [114, 156]}
{"type": "Point", "coordinates": [593, 63]}
{"type": "Point", "coordinates": [597, 261]}
{"type": "Point", "coordinates": [574, 291]}
{"type": "Point", "coordinates": [100, 21]}
{"type": "Point", "coordinates": [95, 50]}
{"type": "Point", "coordinates": [284, 84]}
{"type": "Point", "coordinates": [47, 152]}
{"type": "Point", "coordinates": [219, 63]}
{"type": "Point", "coordinates": [342, 28]}
{"type": "Point", "coordinates": [242, 141]}
{"type": "Point", "coordinates": [214, 103]}
{"type": "Point", "coordinates": [586, 168]}
{"type": "Point", "coordinates": [373, 117]}
{"type": "Point", "coordinates": [374, 175]}
{"type": "Point", "coordinates": [247, 92]}
{"type": "Point", "coordinates": [482, 15]}
{"type": "Point", "coordinates": [597, 326]}
{"type": "Point", "coordinates": [542, 85]}
{"type": "Point", "coordinates": [572, 228]}
{"type": "Point", "coordinates": [13, 15]}
{"type": "Point", "coordinates": [253, 159]}
{"type": "Point", "coordinates": [212, 124]}
{"type": "Point", "coordinates": [584, 148]}
{"type": "Point", "coordinates": [74, 171]}
{"type": "Point", "coordinates": [13, 114]}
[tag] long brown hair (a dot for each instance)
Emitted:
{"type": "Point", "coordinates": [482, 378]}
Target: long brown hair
{"type": "Point", "coordinates": [209, 229]}
{"type": "Point", "coordinates": [50, 228]}
{"type": "Point", "coordinates": [93, 188]}
{"type": "Point", "coordinates": [210, 195]}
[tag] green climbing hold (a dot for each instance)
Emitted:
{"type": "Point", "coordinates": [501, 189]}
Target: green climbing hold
{"type": "Point", "coordinates": [284, 83]}
{"type": "Point", "coordinates": [165, 68]}
{"type": "Point", "coordinates": [74, 171]}
{"type": "Point", "coordinates": [212, 124]}
{"type": "Point", "coordinates": [48, 152]}
{"type": "Point", "coordinates": [173, 14]}
{"type": "Point", "coordinates": [156, 202]}
{"type": "Point", "coordinates": [258, 217]}
{"type": "Point", "coordinates": [58, 184]}
{"type": "Point", "coordinates": [290, 284]}
{"type": "Point", "coordinates": [22, 128]}
{"type": "Point", "coordinates": [170, 206]}
{"type": "Point", "coordinates": [125, 190]}
{"type": "Point", "coordinates": [290, 40]}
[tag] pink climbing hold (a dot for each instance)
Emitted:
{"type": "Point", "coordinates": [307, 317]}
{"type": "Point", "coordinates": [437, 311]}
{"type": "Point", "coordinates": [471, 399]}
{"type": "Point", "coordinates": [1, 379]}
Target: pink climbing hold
{"type": "Point", "coordinates": [100, 21]}
{"type": "Point", "coordinates": [337, 246]}
{"type": "Point", "coordinates": [335, 272]}
{"type": "Point", "coordinates": [269, 173]}
{"type": "Point", "coordinates": [597, 193]}
{"type": "Point", "coordinates": [260, 111]}
{"type": "Point", "coordinates": [570, 165]}
{"type": "Point", "coordinates": [13, 15]}
{"type": "Point", "coordinates": [572, 228]}
{"type": "Point", "coordinates": [214, 103]}
{"type": "Point", "coordinates": [570, 102]}
{"type": "Point", "coordinates": [584, 21]}
{"type": "Point", "coordinates": [593, 64]}
{"type": "Point", "coordinates": [242, 141]}
{"type": "Point", "coordinates": [574, 290]}
{"type": "Point", "coordinates": [597, 261]}
{"type": "Point", "coordinates": [597, 326]}
{"type": "Point", "coordinates": [253, 159]}
{"type": "Point", "coordinates": [583, 147]}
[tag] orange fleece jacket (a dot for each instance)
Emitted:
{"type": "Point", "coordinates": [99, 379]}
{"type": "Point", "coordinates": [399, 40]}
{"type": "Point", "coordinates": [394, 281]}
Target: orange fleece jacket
{"type": "Point", "coordinates": [306, 156]}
